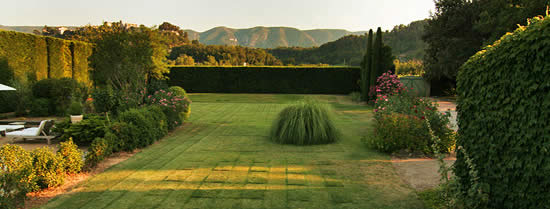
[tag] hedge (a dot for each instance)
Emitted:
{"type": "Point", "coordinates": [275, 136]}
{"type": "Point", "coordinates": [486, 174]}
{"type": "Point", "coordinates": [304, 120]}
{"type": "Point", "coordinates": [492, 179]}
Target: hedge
{"type": "Point", "coordinates": [296, 80]}
{"type": "Point", "coordinates": [40, 57]}
{"type": "Point", "coordinates": [504, 111]}
{"type": "Point", "coordinates": [25, 54]}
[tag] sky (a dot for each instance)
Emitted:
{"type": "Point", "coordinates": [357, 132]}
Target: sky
{"type": "Point", "coordinates": [201, 15]}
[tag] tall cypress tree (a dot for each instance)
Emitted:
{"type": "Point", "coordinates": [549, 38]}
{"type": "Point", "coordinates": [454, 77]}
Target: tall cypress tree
{"type": "Point", "coordinates": [366, 68]}
{"type": "Point", "coordinates": [376, 68]}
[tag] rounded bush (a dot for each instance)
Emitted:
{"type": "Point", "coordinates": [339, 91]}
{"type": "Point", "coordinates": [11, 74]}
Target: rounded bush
{"type": "Point", "coordinates": [71, 156]}
{"type": "Point", "coordinates": [48, 167]}
{"type": "Point", "coordinates": [99, 150]}
{"type": "Point", "coordinates": [178, 91]}
{"type": "Point", "coordinates": [304, 123]}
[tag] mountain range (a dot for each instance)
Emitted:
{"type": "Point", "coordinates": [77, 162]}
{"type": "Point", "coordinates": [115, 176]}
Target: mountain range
{"type": "Point", "coordinates": [268, 37]}
{"type": "Point", "coordinates": [259, 37]}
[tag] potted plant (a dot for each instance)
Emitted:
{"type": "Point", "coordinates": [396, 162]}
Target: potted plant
{"type": "Point", "coordinates": [75, 110]}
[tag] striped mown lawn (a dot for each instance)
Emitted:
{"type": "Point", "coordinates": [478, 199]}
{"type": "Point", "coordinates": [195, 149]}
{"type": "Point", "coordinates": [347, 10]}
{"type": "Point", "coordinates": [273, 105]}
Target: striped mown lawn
{"type": "Point", "coordinates": [222, 158]}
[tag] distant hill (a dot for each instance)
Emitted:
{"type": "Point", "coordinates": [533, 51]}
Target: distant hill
{"type": "Point", "coordinates": [268, 37]}
{"type": "Point", "coordinates": [405, 41]}
{"type": "Point", "coordinates": [24, 29]}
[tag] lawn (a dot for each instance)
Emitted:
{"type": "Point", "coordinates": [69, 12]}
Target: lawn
{"type": "Point", "coordinates": [222, 158]}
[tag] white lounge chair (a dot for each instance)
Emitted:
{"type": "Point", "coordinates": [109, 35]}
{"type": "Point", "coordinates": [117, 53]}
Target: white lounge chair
{"type": "Point", "coordinates": [32, 133]}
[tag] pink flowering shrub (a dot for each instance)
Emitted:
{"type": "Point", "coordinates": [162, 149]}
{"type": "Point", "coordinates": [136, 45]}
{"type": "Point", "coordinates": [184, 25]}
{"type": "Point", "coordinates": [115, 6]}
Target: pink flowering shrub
{"type": "Point", "coordinates": [173, 105]}
{"type": "Point", "coordinates": [387, 84]}
{"type": "Point", "coordinates": [386, 108]}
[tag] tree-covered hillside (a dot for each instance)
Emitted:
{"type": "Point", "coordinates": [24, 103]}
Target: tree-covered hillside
{"type": "Point", "coordinates": [405, 41]}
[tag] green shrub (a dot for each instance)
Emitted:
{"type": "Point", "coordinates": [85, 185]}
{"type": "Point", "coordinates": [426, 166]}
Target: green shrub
{"type": "Point", "coordinates": [395, 131]}
{"type": "Point", "coordinates": [98, 151]}
{"type": "Point", "coordinates": [59, 93]}
{"type": "Point", "coordinates": [48, 168]}
{"type": "Point", "coordinates": [418, 108]}
{"type": "Point", "coordinates": [503, 159]}
{"type": "Point", "coordinates": [105, 100]}
{"type": "Point", "coordinates": [13, 192]}
{"type": "Point", "coordinates": [25, 53]}
{"type": "Point", "coordinates": [75, 108]}
{"type": "Point", "coordinates": [40, 107]}
{"type": "Point", "coordinates": [294, 80]}
{"type": "Point", "coordinates": [138, 131]}
{"type": "Point", "coordinates": [304, 123]}
{"type": "Point", "coordinates": [71, 156]}
{"type": "Point", "coordinates": [85, 131]}
{"type": "Point", "coordinates": [174, 106]}
{"type": "Point", "coordinates": [159, 121]}
{"type": "Point", "coordinates": [178, 91]}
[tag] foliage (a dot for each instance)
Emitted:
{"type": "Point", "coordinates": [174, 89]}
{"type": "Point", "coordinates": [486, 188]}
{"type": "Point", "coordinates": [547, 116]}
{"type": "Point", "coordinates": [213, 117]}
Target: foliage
{"type": "Point", "coordinates": [40, 107]}
{"type": "Point", "coordinates": [106, 100]}
{"type": "Point", "coordinates": [503, 105]}
{"type": "Point", "coordinates": [387, 84]}
{"type": "Point", "coordinates": [401, 109]}
{"type": "Point", "coordinates": [405, 41]}
{"type": "Point", "coordinates": [48, 168]}
{"type": "Point", "coordinates": [185, 60]}
{"type": "Point", "coordinates": [409, 68]}
{"type": "Point", "coordinates": [178, 91]}
{"type": "Point", "coordinates": [85, 131]}
{"type": "Point", "coordinates": [460, 28]}
{"type": "Point", "coordinates": [305, 123]}
{"type": "Point", "coordinates": [98, 151]}
{"type": "Point", "coordinates": [175, 106]}
{"type": "Point", "coordinates": [59, 92]}
{"type": "Point", "coordinates": [126, 58]}
{"type": "Point", "coordinates": [301, 80]}
{"type": "Point", "coordinates": [14, 158]}
{"type": "Point", "coordinates": [136, 129]}
{"type": "Point", "coordinates": [395, 132]}
{"type": "Point", "coordinates": [13, 192]}
{"type": "Point", "coordinates": [366, 68]}
{"type": "Point", "coordinates": [221, 55]}
{"type": "Point", "coordinates": [377, 60]}
{"type": "Point", "coordinates": [71, 156]}
{"type": "Point", "coordinates": [75, 108]}
{"type": "Point", "coordinates": [41, 57]}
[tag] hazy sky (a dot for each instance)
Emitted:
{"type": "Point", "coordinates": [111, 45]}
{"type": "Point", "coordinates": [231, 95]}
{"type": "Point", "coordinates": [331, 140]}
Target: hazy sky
{"type": "Point", "coordinates": [201, 15]}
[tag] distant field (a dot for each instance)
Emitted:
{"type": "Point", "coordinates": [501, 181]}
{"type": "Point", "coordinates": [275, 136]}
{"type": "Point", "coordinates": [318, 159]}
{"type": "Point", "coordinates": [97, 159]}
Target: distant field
{"type": "Point", "coordinates": [222, 158]}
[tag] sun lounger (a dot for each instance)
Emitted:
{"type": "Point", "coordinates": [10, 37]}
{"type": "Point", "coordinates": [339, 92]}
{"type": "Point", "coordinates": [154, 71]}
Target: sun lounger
{"type": "Point", "coordinates": [33, 133]}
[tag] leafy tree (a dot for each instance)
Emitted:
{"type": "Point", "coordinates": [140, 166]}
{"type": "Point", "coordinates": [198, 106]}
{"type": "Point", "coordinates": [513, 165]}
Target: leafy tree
{"type": "Point", "coordinates": [211, 60]}
{"type": "Point", "coordinates": [126, 58]}
{"type": "Point", "coordinates": [185, 60]}
{"type": "Point", "coordinates": [367, 68]}
{"type": "Point", "coordinates": [225, 55]}
{"type": "Point", "coordinates": [460, 28]}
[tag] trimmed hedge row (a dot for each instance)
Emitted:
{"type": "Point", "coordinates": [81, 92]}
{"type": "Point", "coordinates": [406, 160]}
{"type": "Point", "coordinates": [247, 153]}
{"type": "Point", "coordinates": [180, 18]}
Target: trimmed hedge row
{"type": "Point", "coordinates": [504, 111]}
{"type": "Point", "coordinates": [296, 80]}
{"type": "Point", "coordinates": [37, 57]}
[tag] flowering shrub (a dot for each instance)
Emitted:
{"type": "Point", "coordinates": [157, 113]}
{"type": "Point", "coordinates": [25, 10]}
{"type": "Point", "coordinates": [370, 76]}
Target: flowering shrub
{"type": "Point", "coordinates": [388, 105]}
{"type": "Point", "coordinates": [387, 84]}
{"type": "Point", "coordinates": [71, 156]}
{"type": "Point", "coordinates": [173, 105]}
{"type": "Point", "coordinates": [395, 131]}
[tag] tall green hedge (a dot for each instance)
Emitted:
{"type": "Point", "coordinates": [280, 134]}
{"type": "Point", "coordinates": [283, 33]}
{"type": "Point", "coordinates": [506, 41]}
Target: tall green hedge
{"type": "Point", "coordinates": [40, 57]}
{"type": "Point", "coordinates": [296, 80]}
{"type": "Point", "coordinates": [25, 54]}
{"type": "Point", "coordinates": [504, 120]}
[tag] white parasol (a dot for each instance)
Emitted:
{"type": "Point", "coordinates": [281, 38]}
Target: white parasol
{"type": "Point", "coordinates": [6, 88]}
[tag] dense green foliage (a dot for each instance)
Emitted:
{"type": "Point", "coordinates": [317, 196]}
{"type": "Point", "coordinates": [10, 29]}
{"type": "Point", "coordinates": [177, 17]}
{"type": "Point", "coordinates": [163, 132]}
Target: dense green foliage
{"type": "Point", "coordinates": [404, 40]}
{"type": "Point", "coordinates": [395, 132]}
{"type": "Point", "coordinates": [98, 151]}
{"type": "Point", "coordinates": [460, 28]}
{"type": "Point", "coordinates": [366, 68]}
{"type": "Point", "coordinates": [409, 68]}
{"type": "Point", "coordinates": [59, 94]}
{"type": "Point", "coordinates": [224, 55]}
{"type": "Point", "coordinates": [297, 80]}
{"type": "Point", "coordinates": [305, 123]}
{"type": "Point", "coordinates": [503, 102]}
{"type": "Point", "coordinates": [26, 58]}
{"type": "Point", "coordinates": [377, 60]}
{"type": "Point", "coordinates": [139, 128]}
{"type": "Point", "coordinates": [85, 131]}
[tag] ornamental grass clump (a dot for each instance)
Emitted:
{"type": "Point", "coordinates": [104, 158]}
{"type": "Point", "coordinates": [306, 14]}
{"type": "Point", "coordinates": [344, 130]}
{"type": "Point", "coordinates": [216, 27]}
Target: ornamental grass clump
{"type": "Point", "coordinates": [305, 123]}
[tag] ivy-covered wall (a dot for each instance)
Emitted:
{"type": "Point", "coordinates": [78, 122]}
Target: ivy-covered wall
{"type": "Point", "coordinates": [503, 159]}
{"type": "Point", "coordinates": [38, 57]}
